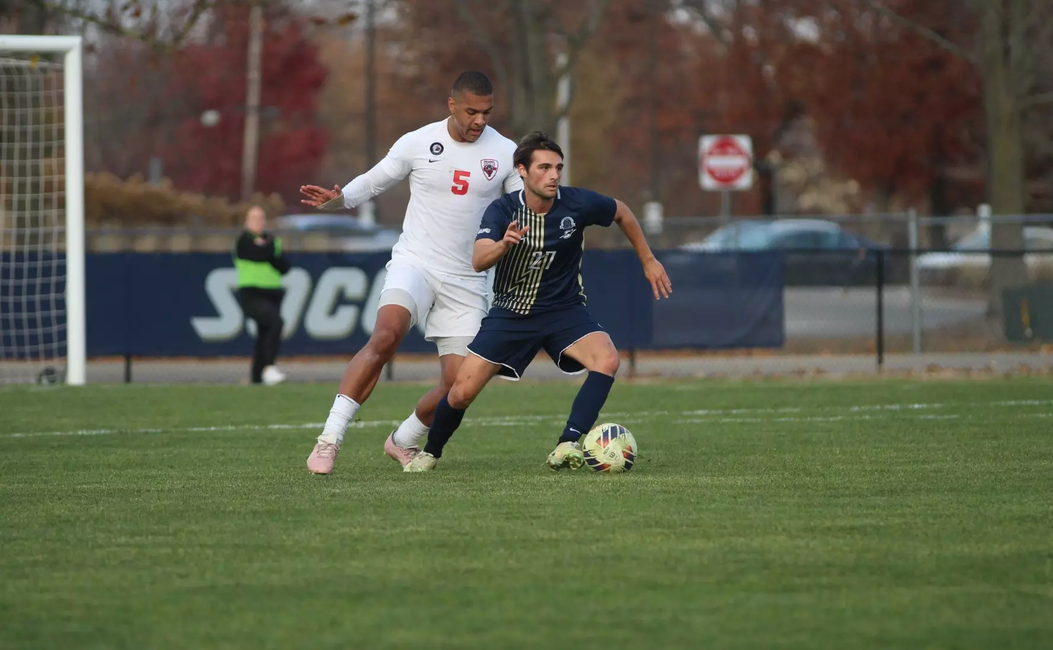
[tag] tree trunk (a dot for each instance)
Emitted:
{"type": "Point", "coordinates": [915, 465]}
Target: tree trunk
{"type": "Point", "coordinates": [1006, 149]}
{"type": "Point", "coordinates": [533, 83]}
{"type": "Point", "coordinates": [34, 18]}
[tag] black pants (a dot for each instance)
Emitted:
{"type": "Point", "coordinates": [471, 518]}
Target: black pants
{"type": "Point", "coordinates": [264, 307]}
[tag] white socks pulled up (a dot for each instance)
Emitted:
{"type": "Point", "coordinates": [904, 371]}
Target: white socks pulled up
{"type": "Point", "coordinates": [344, 408]}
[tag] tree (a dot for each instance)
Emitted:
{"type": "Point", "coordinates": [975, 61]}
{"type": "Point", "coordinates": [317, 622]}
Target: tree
{"type": "Point", "coordinates": [160, 24]}
{"type": "Point", "coordinates": [687, 69]}
{"type": "Point", "coordinates": [169, 94]}
{"type": "Point", "coordinates": [519, 43]}
{"type": "Point", "coordinates": [892, 110]}
{"type": "Point", "coordinates": [405, 100]}
{"type": "Point", "coordinates": [1010, 38]}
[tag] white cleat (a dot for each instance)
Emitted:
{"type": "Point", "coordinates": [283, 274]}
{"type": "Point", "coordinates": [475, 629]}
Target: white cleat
{"type": "Point", "coordinates": [566, 455]}
{"type": "Point", "coordinates": [422, 462]}
{"type": "Point", "coordinates": [272, 376]}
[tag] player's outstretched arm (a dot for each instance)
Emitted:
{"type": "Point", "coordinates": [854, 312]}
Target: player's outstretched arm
{"type": "Point", "coordinates": [487, 251]}
{"type": "Point", "coordinates": [387, 173]}
{"type": "Point", "coordinates": [653, 269]}
{"type": "Point", "coordinates": [321, 198]}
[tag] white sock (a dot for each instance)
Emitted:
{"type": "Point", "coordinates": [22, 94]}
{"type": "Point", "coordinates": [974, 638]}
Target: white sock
{"type": "Point", "coordinates": [340, 415]}
{"type": "Point", "coordinates": [410, 432]}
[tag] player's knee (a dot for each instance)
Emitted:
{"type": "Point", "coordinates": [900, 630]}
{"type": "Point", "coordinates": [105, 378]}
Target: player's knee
{"type": "Point", "coordinates": [607, 363]}
{"type": "Point", "coordinates": [385, 341]}
{"type": "Point", "coordinates": [461, 396]}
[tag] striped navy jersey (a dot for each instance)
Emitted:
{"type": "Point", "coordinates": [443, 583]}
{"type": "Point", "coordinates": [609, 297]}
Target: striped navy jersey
{"type": "Point", "coordinates": [543, 271]}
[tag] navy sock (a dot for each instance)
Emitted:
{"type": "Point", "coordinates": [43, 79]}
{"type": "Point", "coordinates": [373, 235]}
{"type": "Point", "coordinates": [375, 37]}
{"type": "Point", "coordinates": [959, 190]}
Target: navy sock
{"type": "Point", "coordinates": [587, 405]}
{"type": "Point", "coordinates": [446, 421]}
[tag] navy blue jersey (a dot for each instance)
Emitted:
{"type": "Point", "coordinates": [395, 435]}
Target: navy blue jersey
{"type": "Point", "coordinates": [543, 271]}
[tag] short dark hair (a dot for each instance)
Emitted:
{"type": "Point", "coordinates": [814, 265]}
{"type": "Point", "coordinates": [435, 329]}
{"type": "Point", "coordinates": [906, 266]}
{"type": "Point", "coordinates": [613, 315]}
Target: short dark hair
{"type": "Point", "coordinates": [473, 82]}
{"type": "Point", "coordinates": [530, 143]}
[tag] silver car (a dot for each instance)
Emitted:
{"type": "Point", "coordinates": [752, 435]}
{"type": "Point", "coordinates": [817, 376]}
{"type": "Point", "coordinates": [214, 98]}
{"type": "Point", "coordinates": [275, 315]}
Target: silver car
{"type": "Point", "coordinates": [336, 232]}
{"type": "Point", "coordinates": [969, 254]}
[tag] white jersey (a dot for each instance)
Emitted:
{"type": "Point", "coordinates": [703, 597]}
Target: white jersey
{"type": "Point", "coordinates": [451, 185]}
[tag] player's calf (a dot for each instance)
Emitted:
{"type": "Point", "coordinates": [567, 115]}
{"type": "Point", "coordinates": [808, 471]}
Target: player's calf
{"type": "Point", "coordinates": [586, 407]}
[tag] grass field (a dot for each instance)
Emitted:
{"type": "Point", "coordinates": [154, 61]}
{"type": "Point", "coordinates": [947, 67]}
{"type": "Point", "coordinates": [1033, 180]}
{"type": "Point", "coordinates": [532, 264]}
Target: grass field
{"type": "Point", "coordinates": [882, 514]}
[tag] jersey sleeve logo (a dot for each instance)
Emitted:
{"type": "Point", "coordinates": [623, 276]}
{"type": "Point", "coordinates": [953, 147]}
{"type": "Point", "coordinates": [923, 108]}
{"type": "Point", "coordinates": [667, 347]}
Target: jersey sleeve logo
{"type": "Point", "coordinates": [568, 227]}
{"type": "Point", "coordinates": [489, 166]}
{"type": "Point", "coordinates": [436, 148]}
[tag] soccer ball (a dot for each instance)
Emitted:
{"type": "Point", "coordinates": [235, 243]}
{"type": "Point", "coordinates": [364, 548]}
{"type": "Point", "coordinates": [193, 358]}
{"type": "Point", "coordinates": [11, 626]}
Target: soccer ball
{"type": "Point", "coordinates": [609, 448]}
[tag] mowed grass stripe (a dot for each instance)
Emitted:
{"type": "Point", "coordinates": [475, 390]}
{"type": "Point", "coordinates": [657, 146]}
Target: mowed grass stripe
{"type": "Point", "coordinates": [890, 529]}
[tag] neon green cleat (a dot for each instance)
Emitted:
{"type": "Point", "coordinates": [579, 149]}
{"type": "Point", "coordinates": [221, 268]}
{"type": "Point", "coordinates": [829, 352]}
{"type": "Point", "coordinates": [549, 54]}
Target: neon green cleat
{"type": "Point", "coordinates": [425, 462]}
{"type": "Point", "coordinates": [566, 454]}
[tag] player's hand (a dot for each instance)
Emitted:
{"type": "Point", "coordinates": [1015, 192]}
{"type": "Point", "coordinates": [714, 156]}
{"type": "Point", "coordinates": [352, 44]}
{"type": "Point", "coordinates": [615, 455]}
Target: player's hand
{"type": "Point", "coordinates": [317, 196]}
{"type": "Point", "coordinates": [513, 235]}
{"type": "Point", "coordinates": [656, 275]}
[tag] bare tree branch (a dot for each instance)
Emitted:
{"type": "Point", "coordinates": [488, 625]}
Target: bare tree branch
{"type": "Point", "coordinates": [1033, 101]}
{"type": "Point", "coordinates": [577, 41]}
{"type": "Point", "coordinates": [106, 23]}
{"type": "Point", "coordinates": [923, 31]}
{"type": "Point", "coordinates": [717, 28]}
{"type": "Point", "coordinates": [483, 37]}
{"type": "Point", "coordinates": [1043, 38]}
{"type": "Point", "coordinates": [112, 22]}
{"type": "Point", "coordinates": [133, 19]}
{"type": "Point", "coordinates": [199, 8]}
{"type": "Point", "coordinates": [1019, 49]}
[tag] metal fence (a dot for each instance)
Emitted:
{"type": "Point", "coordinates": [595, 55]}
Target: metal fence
{"type": "Point", "coordinates": [902, 295]}
{"type": "Point", "coordinates": [899, 301]}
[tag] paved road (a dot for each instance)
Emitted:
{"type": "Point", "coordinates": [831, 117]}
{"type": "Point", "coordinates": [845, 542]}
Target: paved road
{"type": "Point", "coordinates": [227, 371]}
{"type": "Point", "coordinates": [833, 312]}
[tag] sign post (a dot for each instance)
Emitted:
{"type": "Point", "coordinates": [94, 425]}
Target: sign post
{"type": "Point", "coordinates": [725, 164]}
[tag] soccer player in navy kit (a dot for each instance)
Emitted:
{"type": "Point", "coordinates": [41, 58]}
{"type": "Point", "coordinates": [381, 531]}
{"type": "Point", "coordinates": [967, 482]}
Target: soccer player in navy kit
{"type": "Point", "coordinates": [535, 238]}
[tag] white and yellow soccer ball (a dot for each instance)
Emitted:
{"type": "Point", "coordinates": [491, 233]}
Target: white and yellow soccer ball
{"type": "Point", "coordinates": [609, 448]}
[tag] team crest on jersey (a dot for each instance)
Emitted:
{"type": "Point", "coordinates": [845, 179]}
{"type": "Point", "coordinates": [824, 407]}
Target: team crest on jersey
{"type": "Point", "coordinates": [568, 227]}
{"type": "Point", "coordinates": [489, 166]}
{"type": "Point", "coordinates": [436, 148]}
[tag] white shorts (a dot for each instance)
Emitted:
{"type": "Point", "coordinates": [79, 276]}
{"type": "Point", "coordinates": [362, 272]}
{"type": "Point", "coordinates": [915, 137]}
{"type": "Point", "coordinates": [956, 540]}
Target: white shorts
{"type": "Point", "coordinates": [448, 306]}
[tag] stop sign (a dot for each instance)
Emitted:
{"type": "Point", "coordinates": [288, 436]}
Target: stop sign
{"type": "Point", "coordinates": [725, 162]}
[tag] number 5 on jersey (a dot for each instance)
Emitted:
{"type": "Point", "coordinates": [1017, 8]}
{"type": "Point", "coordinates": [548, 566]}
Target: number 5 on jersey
{"type": "Point", "coordinates": [460, 182]}
{"type": "Point", "coordinates": [542, 259]}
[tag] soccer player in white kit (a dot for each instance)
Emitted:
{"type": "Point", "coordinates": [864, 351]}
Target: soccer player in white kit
{"type": "Point", "coordinates": [456, 168]}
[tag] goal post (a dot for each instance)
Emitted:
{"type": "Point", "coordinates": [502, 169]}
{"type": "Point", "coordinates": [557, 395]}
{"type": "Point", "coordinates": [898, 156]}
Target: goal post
{"type": "Point", "coordinates": [31, 196]}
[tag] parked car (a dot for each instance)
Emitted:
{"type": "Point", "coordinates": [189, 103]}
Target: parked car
{"type": "Point", "coordinates": [969, 255]}
{"type": "Point", "coordinates": [816, 252]}
{"type": "Point", "coordinates": [348, 233]}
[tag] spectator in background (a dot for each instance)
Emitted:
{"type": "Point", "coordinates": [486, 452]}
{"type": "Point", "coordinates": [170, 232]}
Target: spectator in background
{"type": "Point", "coordinates": [260, 264]}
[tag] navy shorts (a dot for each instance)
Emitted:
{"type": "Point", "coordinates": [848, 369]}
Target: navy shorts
{"type": "Point", "coordinates": [512, 340]}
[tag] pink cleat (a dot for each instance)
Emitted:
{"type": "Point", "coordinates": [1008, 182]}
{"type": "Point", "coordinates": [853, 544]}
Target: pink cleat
{"type": "Point", "coordinates": [322, 458]}
{"type": "Point", "coordinates": [403, 456]}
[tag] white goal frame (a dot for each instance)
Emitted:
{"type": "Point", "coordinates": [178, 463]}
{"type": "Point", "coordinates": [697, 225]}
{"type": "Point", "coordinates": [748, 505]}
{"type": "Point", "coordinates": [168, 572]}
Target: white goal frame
{"type": "Point", "coordinates": [73, 123]}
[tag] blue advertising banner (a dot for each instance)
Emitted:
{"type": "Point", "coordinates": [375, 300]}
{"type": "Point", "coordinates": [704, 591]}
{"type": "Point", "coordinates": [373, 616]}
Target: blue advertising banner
{"type": "Point", "coordinates": [720, 301]}
{"type": "Point", "coordinates": [186, 305]}
{"type": "Point", "coordinates": [176, 304]}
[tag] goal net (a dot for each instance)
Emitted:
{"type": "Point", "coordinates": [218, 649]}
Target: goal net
{"type": "Point", "coordinates": [42, 329]}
